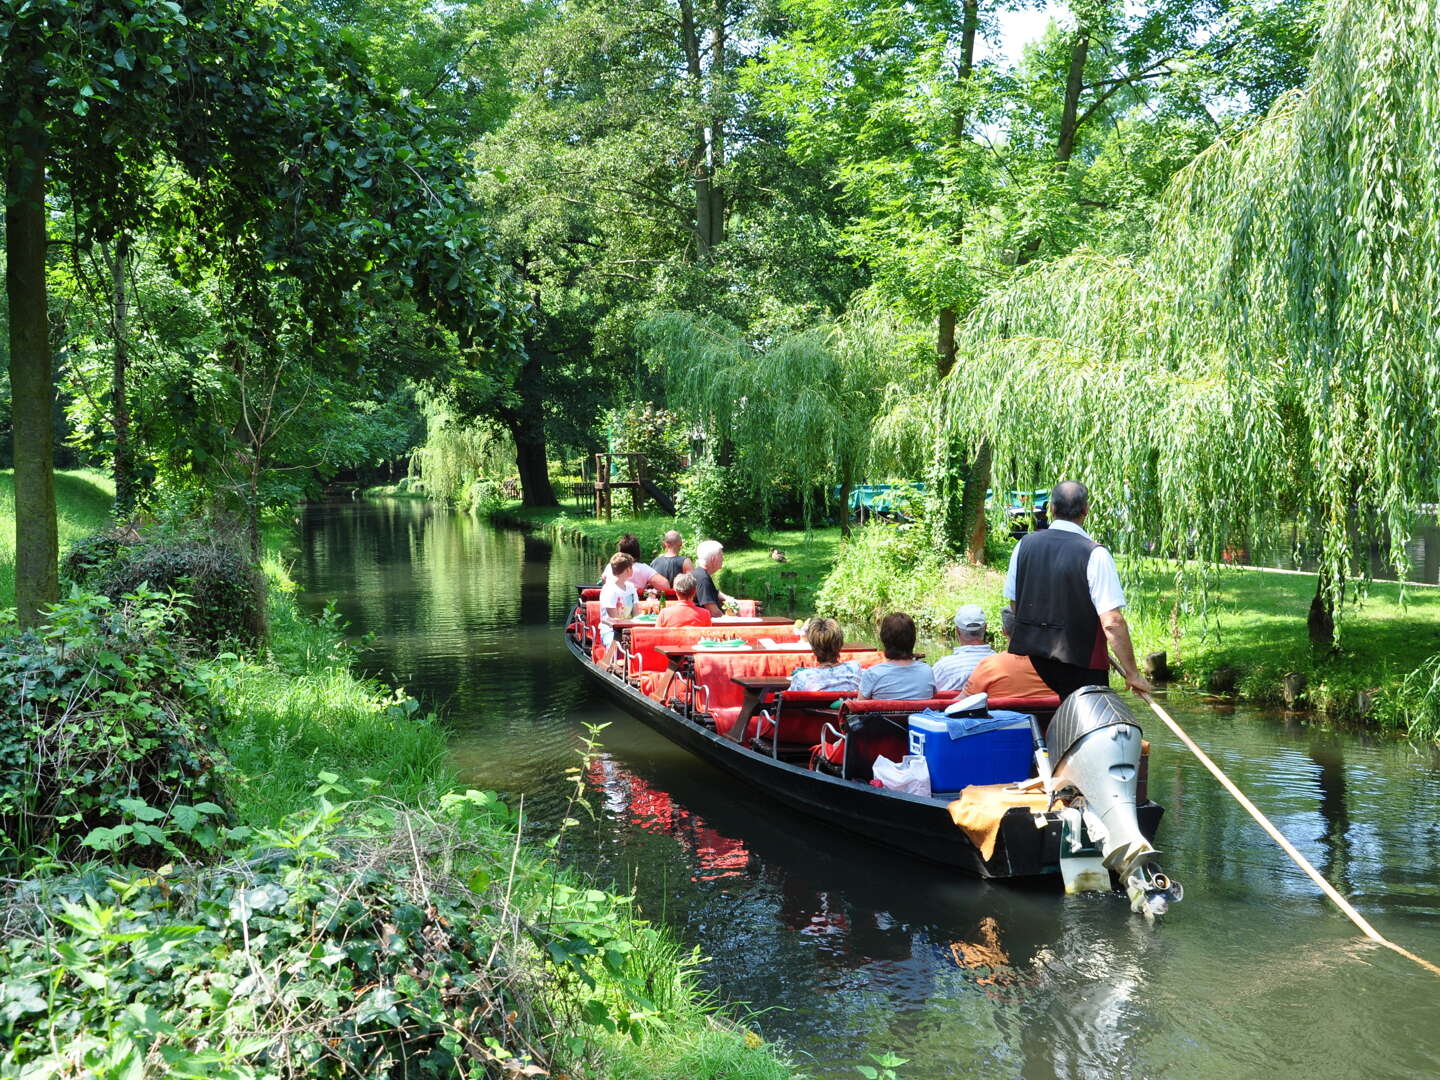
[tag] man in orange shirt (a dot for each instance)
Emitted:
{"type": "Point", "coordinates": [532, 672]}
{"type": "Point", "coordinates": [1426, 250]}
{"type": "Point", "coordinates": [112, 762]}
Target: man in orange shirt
{"type": "Point", "coordinates": [684, 611]}
{"type": "Point", "coordinates": [1006, 674]}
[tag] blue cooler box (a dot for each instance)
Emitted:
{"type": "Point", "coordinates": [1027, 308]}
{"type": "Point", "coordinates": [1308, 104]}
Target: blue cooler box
{"type": "Point", "coordinates": [1001, 755]}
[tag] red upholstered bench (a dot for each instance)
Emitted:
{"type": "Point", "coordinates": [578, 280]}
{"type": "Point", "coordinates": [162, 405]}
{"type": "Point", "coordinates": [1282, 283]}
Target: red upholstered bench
{"type": "Point", "coordinates": [644, 639]}
{"type": "Point", "coordinates": [715, 673]}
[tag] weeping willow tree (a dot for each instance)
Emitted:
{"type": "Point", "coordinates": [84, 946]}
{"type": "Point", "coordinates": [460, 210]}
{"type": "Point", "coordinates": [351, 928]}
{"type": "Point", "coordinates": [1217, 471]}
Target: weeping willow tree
{"type": "Point", "coordinates": [1275, 354]}
{"type": "Point", "coordinates": [804, 409]}
{"type": "Point", "coordinates": [456, 453]}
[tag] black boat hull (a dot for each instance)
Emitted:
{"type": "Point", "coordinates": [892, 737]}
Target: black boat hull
{"type": "Point", "coordinates": [901, 822]}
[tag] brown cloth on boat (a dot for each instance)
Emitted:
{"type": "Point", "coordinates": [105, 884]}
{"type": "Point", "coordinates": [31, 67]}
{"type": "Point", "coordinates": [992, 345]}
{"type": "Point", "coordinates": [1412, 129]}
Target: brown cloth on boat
{"type": "Point", "coordinates": [979, 809]}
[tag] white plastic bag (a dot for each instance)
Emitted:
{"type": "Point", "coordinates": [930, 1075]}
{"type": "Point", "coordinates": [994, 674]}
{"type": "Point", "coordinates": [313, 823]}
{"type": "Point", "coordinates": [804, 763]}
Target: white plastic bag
{"type": "Point", "coordinates": [911, 775]}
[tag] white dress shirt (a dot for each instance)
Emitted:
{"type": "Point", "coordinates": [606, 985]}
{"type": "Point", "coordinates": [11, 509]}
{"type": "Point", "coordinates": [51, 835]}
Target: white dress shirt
{"type": "Point", "coordinates": [1100, 573]}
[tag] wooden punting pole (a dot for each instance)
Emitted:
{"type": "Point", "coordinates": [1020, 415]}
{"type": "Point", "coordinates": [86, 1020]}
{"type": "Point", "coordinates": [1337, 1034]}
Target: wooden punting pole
{"type": "Point", "coordinates": [1279, 838]}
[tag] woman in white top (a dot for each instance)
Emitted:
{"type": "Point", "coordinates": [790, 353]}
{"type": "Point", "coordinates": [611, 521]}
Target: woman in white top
{"type": "Point", "coordinates": [641, 572]}
{"type": "Point", "coordinates": [617, 600]}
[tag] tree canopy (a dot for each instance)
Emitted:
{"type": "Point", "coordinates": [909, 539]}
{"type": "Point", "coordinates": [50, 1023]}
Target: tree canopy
{"type": "Point", "coordinates": [1267, 358]}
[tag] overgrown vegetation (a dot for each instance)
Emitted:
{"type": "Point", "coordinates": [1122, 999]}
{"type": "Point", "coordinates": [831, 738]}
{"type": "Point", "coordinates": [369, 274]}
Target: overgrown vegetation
{"type": "Point", "coordinates": [101, 719]}
{"type": "Point", "coordinates": [232, 899]}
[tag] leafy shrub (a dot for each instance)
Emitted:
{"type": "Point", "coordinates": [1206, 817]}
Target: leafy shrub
{"type": "Point", "coordinates": [354, 940]}
{"type": "Point", "coordinates": [484, 496]}
{"type": "Point", "coordinates": [96, 709]}
{"type": "Point", "coordinates": [885, 568]}
{"type": "Point", "coordinates": [1413, 707]}
{"type": "Point", "coordinates": [717, 503]}
{"type": "Point", "coordinates": [206, 561]}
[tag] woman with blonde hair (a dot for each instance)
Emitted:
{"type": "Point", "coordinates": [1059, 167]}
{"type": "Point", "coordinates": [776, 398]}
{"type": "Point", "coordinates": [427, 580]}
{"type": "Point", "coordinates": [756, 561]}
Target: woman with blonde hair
{"type": "Point", "coordinates": [826, 638]}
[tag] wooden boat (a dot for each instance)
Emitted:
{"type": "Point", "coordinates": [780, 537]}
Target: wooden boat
{"type": "Point", "coordinates": [818, 782]}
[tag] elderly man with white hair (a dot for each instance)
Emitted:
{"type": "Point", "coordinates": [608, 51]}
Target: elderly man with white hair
{"type": "Point", "coordinates": [709, 557]}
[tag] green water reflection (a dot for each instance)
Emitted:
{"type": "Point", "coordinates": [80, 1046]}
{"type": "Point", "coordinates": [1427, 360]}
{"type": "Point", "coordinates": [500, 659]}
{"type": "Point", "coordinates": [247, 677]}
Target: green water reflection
{"type": "Point", "coordinates": [849, 950]}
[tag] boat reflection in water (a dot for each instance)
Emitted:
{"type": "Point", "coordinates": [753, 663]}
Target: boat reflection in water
{"type": "Point", "coordinates": [629, 798]}
{"type": "Point", "coordinates": [921, 946]}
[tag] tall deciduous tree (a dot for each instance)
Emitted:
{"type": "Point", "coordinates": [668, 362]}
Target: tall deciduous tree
{"type": "Point", "coordinates": [82, 79]}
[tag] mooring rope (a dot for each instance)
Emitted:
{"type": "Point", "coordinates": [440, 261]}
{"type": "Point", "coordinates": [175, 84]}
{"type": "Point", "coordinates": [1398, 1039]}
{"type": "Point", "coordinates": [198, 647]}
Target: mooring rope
{"type": "Point", "coordinates": [1285, 845]}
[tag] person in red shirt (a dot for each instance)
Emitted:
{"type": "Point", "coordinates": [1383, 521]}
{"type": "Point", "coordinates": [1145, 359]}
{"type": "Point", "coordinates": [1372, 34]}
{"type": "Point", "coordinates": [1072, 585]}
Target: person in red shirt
{"type": "Point", "coordinates": [684, 611]}
{"type": "Point", "coordinates": [1006, 674]}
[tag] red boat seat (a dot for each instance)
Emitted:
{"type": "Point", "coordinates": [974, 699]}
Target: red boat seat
{"type": "Point", "coordinates": [794, 722]}
{"type": "Point", "coordinates": [644, 639]}
{"type": "Point", "coordinates": [865, 730]}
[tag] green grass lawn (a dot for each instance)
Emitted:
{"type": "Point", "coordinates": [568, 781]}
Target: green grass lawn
{"type": "Point", "coordinates": [83, 499]}
{"type": "Point", "coordinates": [1254, 621]}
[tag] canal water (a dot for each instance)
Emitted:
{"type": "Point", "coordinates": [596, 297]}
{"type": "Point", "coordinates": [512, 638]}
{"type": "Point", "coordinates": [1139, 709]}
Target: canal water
{"type": "Point", "coordinates": [843, 950]}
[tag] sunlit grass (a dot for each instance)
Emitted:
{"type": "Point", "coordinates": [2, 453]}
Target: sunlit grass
{"type": "Point", "coordinates": [83, 498]}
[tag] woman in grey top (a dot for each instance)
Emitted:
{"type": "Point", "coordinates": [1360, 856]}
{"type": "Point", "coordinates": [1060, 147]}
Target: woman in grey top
{"type": "Point", "coordinates": [899, 677]}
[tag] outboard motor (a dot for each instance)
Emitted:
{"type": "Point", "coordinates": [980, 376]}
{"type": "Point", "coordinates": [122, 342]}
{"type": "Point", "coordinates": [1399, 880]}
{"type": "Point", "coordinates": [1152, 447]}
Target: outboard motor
{"type": "Point", "coordinates": [1095, 744]}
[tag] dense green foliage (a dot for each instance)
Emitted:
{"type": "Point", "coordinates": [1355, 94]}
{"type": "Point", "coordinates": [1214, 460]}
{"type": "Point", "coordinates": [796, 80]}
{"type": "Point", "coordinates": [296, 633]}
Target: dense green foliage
{"type": "Point", "coordinates": [1266, 359]}
{"type": "Point", "coordinates": [96, 710]}
{"type": "Point", "coordinates": [205, 562]}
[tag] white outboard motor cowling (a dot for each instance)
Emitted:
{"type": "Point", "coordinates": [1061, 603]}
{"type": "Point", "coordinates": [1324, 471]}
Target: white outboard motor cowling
{"type": "Point", "coordinates": [1095, 744]}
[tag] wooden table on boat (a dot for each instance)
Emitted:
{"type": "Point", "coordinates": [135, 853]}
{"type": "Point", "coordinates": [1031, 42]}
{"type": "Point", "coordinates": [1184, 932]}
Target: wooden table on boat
{"type": "Point", "coordinates": [723, 621]}
{"type": "Point", "coordinates": [755, 687]}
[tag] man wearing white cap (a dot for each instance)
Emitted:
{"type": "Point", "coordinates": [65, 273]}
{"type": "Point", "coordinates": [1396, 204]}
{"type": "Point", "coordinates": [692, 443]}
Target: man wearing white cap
{"type": "Point", "coordinates": [952, 671]}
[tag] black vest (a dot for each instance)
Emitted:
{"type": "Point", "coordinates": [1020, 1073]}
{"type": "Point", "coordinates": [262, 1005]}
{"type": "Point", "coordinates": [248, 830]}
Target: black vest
{"type": "Point", "coordinates": [1054, 615]}
{"type": "Point", "coordinates": [669, 567]}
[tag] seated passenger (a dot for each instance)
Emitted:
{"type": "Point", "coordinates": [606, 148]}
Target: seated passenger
{"type": "Point", "coordinates": [709, 557]}
{"type": "Point", "coordinates": [669, 566]}
{"type": "Point", "coordinates": [617, 600]}
{"type": "Point", "coordinates": [1007, 674]}
{"type": "Point", "coordinates": [952, 671]}
{"type": "Point", "coordinates": [642, 572]}
{"type": "Point", "coordinates": [683, 611]}
{"type": "Point", "coordinates": [826, 638]}
{"type": "Point", "coordinates": [899, 677]}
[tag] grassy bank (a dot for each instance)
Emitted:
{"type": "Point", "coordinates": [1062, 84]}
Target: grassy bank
{"type": "Point", "coordinates": [408, 910]}
{"type": "Point", "coordinates": [750, 569]}
{"type": "Point", "coordinates": [83, 499]}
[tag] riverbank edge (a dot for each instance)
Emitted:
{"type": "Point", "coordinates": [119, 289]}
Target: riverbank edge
{"type": "Point", "coordinates": [420, 775]}
{"type": "Point", "coordinates": [1252, 651]}
{"type": "Point", "coordinates": [298, 719]}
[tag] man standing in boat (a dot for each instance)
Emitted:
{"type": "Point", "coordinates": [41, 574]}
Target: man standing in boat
{"type": "Point", "coordinates": [1068, 601]}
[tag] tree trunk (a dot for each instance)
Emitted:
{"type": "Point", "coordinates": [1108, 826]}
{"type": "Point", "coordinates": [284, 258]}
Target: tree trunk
{"type": "Point", "coordinates": [945, 342]}
{"type": "Point", "coordinates": [123, 464]}
{"type": "Point", "coordinates": [976, 485]}
{"type": "Point", "coordinates": [32, 385]}
{"type": "Point", "coordinates": [527, 428]}
{"type": "Point", "coordinates": [718, 113]}
{"type": "Point", "coordinates": [845, 489]}
{"type": "Point", "coordinates": [1320, 623]}
{"type": "Point", "coordinates": [965, 68]}
{"type": "Point", "coordinates": [1070, 109]}
{"type": "Point", "coordinates": [1069, 125]}
{"type": "Point", "coordinates": [708, 224]}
